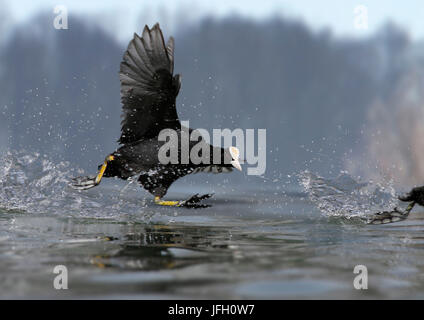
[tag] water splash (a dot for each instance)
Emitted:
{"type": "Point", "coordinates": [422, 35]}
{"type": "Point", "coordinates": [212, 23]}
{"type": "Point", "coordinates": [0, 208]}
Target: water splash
{"type": "Point", "coordinates": [35, 184]}
{"type": "Point", "coordinates": [346, 197]}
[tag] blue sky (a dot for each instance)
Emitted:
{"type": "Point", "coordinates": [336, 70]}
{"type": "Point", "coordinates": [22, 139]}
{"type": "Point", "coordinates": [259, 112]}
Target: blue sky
{"type": "Point", "coordinates": [125, 16]}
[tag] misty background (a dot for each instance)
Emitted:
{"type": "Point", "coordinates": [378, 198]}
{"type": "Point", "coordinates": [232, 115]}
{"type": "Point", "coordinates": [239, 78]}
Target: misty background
{"type": "Point", "coordinates": [329, 102]}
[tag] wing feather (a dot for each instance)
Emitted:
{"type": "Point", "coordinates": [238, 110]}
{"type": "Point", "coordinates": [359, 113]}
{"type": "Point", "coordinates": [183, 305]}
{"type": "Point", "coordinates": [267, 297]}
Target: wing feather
{"type": "Point", "coordinates": [148, 87]}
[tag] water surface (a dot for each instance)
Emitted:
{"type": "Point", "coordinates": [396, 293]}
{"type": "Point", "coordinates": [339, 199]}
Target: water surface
{"type": "Point", "coordinates": [252, 243]}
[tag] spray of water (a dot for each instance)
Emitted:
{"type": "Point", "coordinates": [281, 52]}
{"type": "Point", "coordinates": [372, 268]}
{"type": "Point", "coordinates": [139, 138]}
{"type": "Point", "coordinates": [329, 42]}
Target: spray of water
{"type": "Point", "coordinates": [33, 183]}
{"type": "Point", "coordinates": [346, 197]}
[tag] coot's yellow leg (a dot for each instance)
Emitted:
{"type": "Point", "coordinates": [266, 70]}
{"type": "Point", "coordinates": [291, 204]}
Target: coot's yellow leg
{"type": "Point", "coordinates": [166, 203]}
{"type": "Point", "coordinates": [103, 168]}
{"type": "Point", "coordinates": [392, 216]}
{"type": "Point", "coordinates": [85, 183]}
{"type": "Point", "coordinates": [192, 202]}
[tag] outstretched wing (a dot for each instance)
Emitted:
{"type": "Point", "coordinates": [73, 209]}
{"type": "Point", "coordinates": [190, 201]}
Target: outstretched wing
{"type": "Point", "coordinates": [148, 87]}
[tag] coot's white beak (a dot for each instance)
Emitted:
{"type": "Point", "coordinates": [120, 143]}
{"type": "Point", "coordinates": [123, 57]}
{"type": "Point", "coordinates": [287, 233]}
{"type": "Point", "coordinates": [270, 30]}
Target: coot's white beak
{"type": "Point", "coordinates": [236, 164]}
{"type": "Point", "coordinates": [235, 153]}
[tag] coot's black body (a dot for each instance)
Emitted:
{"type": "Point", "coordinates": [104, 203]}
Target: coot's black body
{"type": "Point", "coordinates": [415, 195]}
{"type": "Point", "coordinates": [141, 159]}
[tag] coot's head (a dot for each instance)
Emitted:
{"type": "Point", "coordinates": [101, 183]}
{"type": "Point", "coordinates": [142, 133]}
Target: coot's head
{"type": "Point", "coordinates": [235, 154]}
